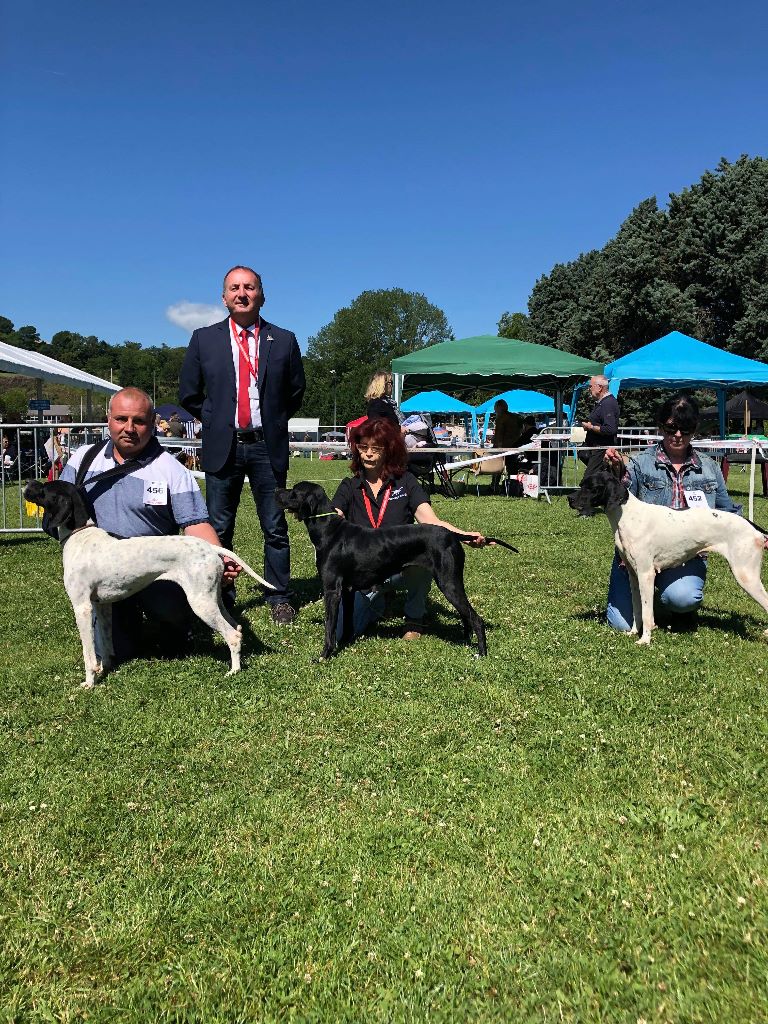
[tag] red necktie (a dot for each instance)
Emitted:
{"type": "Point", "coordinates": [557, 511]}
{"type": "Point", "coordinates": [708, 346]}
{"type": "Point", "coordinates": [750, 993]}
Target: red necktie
{"type": "Point", "coordinates": [244, 379]}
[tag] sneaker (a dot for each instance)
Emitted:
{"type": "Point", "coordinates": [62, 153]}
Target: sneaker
{"type": "Point", "coordinates": [283, 614]}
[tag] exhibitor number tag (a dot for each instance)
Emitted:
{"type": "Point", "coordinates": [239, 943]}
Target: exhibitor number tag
{"type": "Point", "coordinates": [155, 492]}
{"type": "Point", "coordinates": [696, 499]}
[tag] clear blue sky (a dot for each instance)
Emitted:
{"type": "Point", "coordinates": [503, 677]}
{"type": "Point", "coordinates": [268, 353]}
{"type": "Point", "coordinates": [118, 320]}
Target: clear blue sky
{"type": "Point", "coordinates": [458, 150]}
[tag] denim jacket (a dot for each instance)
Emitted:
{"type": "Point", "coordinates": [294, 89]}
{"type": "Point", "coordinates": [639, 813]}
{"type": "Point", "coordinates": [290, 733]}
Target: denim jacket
{"type": "Point", "coordinates": [650, 480]}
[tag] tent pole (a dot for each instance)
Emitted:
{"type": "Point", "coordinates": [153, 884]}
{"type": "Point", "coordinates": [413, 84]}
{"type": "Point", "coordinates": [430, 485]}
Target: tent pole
{"type": "Point", "coordinates": [39, 396]}
{"type": "Point", "coordinates": [559, 407]}
{"type": "Point", "coordinates": [397, 388]}
{"type": "Point", "coordinates": [89, 404]}
{"type": "Point", "coordinates": [721, 410]}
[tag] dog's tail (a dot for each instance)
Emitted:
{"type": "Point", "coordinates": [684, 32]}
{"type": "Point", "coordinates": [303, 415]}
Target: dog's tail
{"type": "Point", "coordinates": [758, 528]}
{"type": "Point", "coordinates": [488, 540]}
{"type": "Point", "coordinates": [246, 567]}
{"type": "Point", "coordinates": [501, 543]}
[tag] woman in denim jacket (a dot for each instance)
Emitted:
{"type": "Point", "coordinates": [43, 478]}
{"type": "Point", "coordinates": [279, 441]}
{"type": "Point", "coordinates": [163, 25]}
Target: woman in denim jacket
{"type": "Point", "coordinates": [664, 474]}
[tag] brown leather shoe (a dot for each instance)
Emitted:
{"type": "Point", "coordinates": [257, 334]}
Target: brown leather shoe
{"type": "Point", "coordinates": [283, 614]}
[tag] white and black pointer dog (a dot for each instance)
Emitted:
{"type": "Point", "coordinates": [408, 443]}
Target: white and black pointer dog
{"type": "Point", "coordinates": [351, 558]}
{"type": "Point", "coordinates": [650, 538]}
{"type": "Point", "coordinates": [98, 570]}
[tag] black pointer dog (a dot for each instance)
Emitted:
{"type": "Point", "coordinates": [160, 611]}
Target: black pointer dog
{"type": "Point", "coordinates": [351, 558]}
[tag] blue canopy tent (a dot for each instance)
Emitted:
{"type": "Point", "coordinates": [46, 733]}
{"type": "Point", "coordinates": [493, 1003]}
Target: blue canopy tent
{"type": "Point", "coordinates": [436, 401]}
{"type": "Point", "coordinates": [679, 361]}
{"type": "Point", "coordinates": [523, 402]}
{"type": "Point", "coordinates": [168, 409]}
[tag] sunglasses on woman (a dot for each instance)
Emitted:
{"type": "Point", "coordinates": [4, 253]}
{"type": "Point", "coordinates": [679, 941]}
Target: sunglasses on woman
{"type": "Point", "coordinates": [675, 428]}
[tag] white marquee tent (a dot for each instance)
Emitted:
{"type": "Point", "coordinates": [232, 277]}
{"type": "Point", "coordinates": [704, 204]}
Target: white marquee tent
{"type": "Point", "coordinates": [40, 368]}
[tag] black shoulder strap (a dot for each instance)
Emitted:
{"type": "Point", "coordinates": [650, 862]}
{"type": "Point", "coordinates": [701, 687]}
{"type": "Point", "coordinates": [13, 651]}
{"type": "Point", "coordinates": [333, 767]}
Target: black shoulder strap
{"type": "Point", "coordinates": [122, 469]}
{"type": "Point", "coordinates": [87, 462]}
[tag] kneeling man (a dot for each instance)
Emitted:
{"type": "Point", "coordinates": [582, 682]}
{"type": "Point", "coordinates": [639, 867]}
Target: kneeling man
{"type": "Point", "coordinates": [134, 488]}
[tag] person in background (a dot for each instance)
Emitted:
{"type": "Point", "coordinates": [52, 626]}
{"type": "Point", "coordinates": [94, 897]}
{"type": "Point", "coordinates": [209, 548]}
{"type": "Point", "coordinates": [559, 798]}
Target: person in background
{"type": "Point", "coordinates": [7, 452]}
{"type": "Point", "coordinates": [507, 428]}
{"type": "Point", "coordinates": [175, 426]}
{"type": "Point", "coordinates": [602, 427]}
{"type": "Point", "coordinates": [378, 395]}
{"type": "Point", "coordinates": [383, 493]}
{"type": "Point", "coordinates": [672, 474]}
{"type": "Point", "coordinates": [529, 431]}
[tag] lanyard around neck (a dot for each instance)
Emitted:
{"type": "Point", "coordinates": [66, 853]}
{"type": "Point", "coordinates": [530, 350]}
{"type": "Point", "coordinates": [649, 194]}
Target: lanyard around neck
{"type": "Point", "coordinates": [376, 523]}
{"type": "Point", "coordinates": [252, 366]}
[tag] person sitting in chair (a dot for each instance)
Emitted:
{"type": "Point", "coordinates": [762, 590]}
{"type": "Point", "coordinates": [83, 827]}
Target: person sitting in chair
{"type": "Point", "coordinates": [507, 428]}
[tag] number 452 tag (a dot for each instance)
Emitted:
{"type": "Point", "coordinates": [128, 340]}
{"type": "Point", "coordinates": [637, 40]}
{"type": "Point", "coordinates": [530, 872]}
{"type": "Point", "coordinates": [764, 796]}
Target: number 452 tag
{"type": "Point", "coordinates": [696, 499]}
{"type": "Point", "coordinates": [155, 492]}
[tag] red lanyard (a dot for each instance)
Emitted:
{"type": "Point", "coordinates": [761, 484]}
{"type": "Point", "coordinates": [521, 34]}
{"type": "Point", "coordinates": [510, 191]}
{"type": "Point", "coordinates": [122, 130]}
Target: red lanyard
{"type": "Point", "coordinates": [377, 523]}
{"type": "Point", "coordinates": [253, 367]}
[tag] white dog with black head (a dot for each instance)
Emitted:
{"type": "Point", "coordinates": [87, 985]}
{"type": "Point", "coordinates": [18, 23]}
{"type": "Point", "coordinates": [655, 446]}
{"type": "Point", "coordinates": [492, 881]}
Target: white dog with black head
{"type": "Point", "coordinates": [650, 538]}
{"type": "Point", "coordinates": [99, 570]}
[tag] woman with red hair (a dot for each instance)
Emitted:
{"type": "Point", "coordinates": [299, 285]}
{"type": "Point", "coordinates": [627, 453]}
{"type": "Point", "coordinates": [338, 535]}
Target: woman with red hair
{"type": "Point", "coordinates": [383, 493]}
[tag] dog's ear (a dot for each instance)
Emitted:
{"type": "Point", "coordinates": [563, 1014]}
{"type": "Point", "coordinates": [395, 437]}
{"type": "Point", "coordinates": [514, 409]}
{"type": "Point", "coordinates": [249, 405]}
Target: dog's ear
{"type": "Point", "coordinates": [34, 491]}
{"type": "Point", "coordinates": [80, 512]}
{"type": "Point", "coordinates": [616, 494]}
{"type": "Point", "coordinates": [310, 503]}
{"type": "Point", "coordinates": [60, 511]}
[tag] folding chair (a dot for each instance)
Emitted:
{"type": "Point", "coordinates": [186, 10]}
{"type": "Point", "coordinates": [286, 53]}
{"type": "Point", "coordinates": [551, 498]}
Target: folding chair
{"type": "Point", "coordinates": [430, 466]}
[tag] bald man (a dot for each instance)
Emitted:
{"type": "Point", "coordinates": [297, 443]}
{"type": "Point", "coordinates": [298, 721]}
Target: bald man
{"type": "Point", "coordinates": [602, 426]}
{"type": "Point", "coordinates": [154, 496]}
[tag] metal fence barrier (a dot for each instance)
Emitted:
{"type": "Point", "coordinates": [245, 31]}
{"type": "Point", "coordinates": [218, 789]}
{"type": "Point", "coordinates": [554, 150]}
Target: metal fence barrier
{"type": "Point", "coordinates": [30, 451]}
{"type": "Point", "coordinates": [33, 450]}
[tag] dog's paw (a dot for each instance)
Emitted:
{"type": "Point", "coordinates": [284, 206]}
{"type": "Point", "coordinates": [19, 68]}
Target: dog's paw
{"type": "Point", "coordinates": [765, 635]}
{"type": "Point", "coordinates": [633, 631]}
{"type": "Point", "coordinates": [644, 641]}
{"type": "Point", "coordinates": [88, 684]}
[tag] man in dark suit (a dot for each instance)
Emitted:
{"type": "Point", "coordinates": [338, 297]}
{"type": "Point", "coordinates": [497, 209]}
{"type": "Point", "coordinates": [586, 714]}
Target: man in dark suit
{"type": "Point", "coordinates": [243, 378]}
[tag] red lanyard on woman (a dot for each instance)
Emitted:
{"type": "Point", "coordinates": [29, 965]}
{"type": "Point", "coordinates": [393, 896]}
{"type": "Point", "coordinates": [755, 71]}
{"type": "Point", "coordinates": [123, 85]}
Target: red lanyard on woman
{"type": "Point", "coordinates": [252, 366]}
{"type": "Point", "coordinates": [376, 523]}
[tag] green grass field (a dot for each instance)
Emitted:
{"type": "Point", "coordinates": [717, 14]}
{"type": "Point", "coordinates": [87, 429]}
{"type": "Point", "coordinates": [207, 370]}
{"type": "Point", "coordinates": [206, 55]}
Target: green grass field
{"type": "Point", "coordinates": [572, 829]}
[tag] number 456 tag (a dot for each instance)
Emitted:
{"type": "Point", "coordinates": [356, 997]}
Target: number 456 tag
{"type": "Point", "coordinates": [155, 492]}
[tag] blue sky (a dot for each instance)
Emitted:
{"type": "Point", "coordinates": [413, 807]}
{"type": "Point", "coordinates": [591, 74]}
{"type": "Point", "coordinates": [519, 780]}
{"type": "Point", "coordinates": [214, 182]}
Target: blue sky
{"type": "Point", "coordinates": [459, 150]}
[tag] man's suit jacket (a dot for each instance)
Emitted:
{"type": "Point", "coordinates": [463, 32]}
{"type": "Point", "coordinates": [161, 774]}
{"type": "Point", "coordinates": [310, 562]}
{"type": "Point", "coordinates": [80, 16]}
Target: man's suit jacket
{"type": "Point", "coordinates": [207, 390]}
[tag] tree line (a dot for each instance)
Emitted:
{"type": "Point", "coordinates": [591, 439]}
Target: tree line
{"type": "Point", "coordinates": [699, 266]}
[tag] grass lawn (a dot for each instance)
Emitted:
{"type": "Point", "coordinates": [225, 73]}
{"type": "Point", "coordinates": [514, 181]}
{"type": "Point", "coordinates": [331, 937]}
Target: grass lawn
{"type": "Point", "coordinates": [572, 829]}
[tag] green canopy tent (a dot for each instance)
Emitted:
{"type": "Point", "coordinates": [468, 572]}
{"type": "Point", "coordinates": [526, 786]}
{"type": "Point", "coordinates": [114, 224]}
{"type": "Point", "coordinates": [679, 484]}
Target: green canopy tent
{"type": "Point", "coordinates": [494, 363]}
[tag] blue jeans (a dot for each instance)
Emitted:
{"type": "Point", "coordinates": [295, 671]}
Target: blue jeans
{"type": "Point", "coordinates": [222, 494]}
{"type": "Point", "coordinates": [677, 591]}
{"type": "Point", "coordinates": [369, 608]}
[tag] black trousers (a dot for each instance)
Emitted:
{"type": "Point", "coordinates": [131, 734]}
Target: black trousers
{"type": "Point", "coordinates": [594, 461]}
{"type": "Point", "coordinates": [165, 606]}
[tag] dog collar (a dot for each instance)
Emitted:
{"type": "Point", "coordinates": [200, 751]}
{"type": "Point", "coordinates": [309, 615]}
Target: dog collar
{"type": "Point", "coordinates": [78, 529]}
